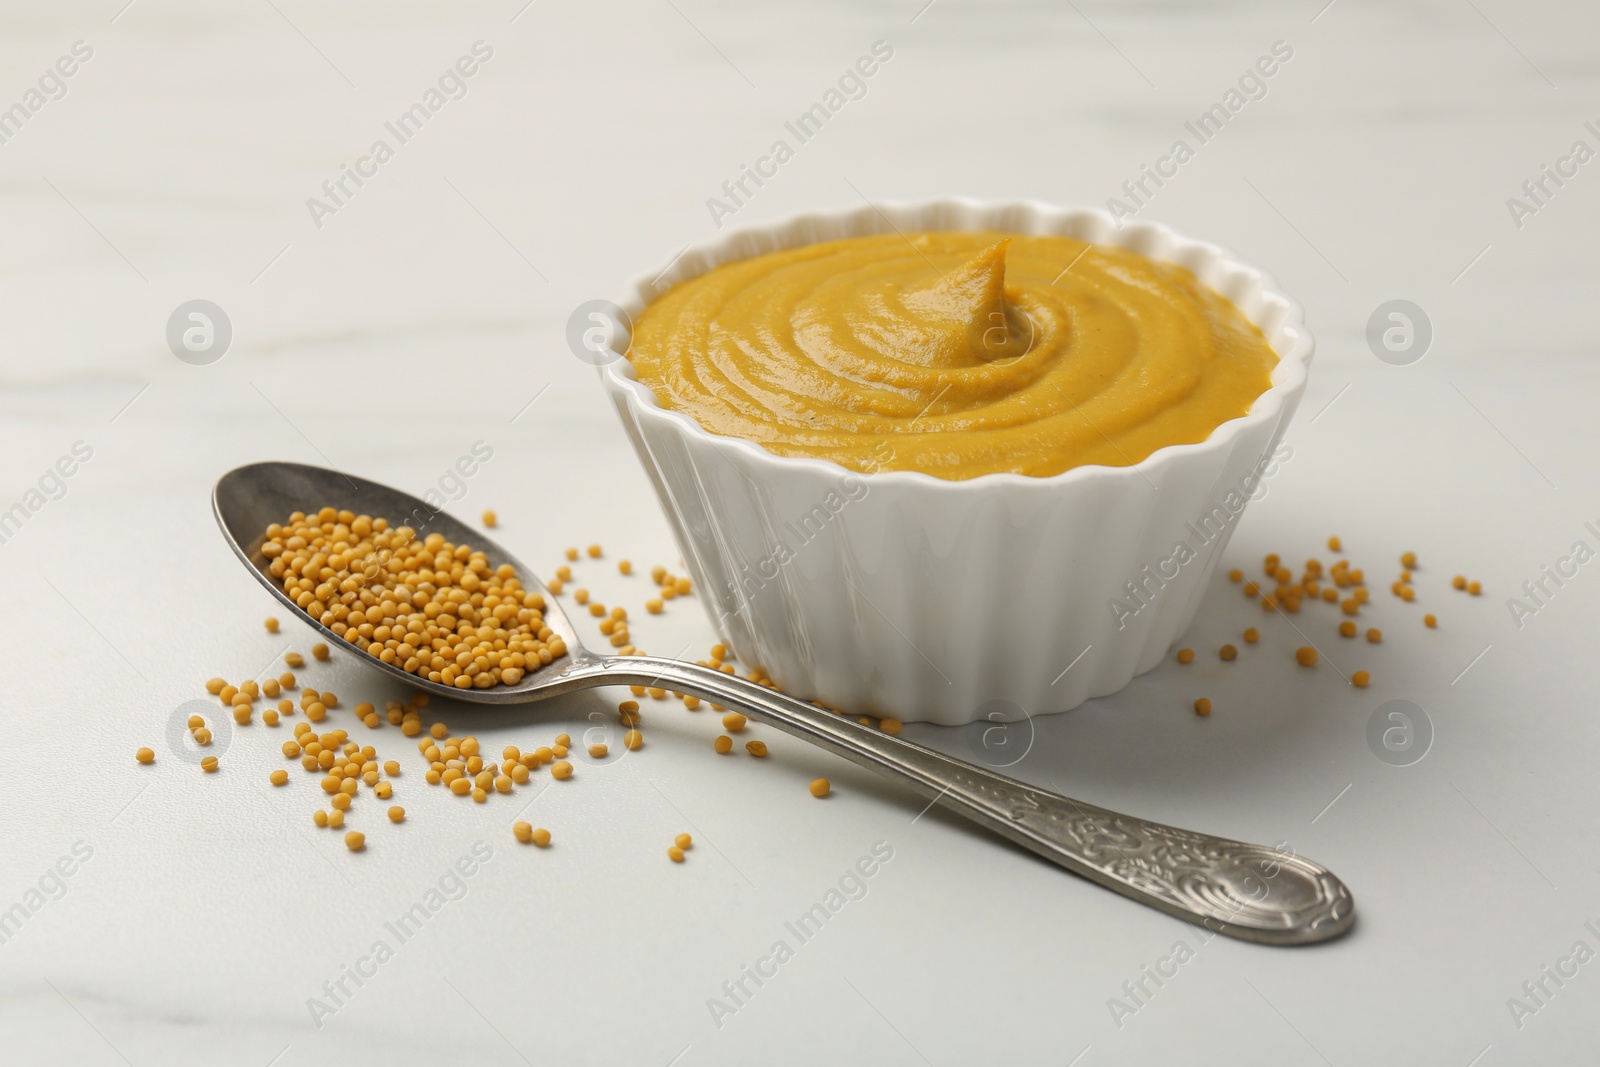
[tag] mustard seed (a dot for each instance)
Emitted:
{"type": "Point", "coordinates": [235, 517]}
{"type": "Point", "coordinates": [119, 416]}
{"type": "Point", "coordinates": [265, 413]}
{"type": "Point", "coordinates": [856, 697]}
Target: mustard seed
{"type": "Point", "coordinates": [1306, 656]}
{"type": "Point", "coordinates": [1228, 653]}
{"type": "Point", "coordinates": [1202, 706]}
{"type": "Point", "coordinates": [561, 770]}
{"type": "Point", "coordinates": [208, 764]}
{"type": "Point", "coordinates": [675, 854]}
{"type": "Point", "coordinates": [1360, 679]}
{"type": "Point", "coordinates": [355, 840]}
{"type": "Point", "coordinates": [490, 519]}
{"type": "Point", "coordinates": [820, 788]}
{"type": "Point", "coordinates": [272, 625]}
{"type": "Point", "coordinates": [1185, 655]}
{"type": "Point", "coordinates": [145, 755]}
{"type": "Point", "coordinates": [1252, 635]}
{"type": "Point", "coordinates": [397, 813]}
{"type": "Point", "coordinates": [723, 744]}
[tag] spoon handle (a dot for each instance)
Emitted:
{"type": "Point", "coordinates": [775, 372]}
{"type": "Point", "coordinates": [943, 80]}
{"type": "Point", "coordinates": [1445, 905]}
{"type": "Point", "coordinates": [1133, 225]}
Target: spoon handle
{"type": "Point", "coordinates": [1251, 892]}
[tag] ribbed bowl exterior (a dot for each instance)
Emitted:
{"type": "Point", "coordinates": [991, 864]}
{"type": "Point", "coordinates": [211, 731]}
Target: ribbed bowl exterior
{"type": "Point", "coordinates": [900, 594]}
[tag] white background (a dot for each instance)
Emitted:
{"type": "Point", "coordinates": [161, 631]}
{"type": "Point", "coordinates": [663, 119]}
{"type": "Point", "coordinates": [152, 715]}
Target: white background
{"type": "Point", "coordinates": [429, 311]}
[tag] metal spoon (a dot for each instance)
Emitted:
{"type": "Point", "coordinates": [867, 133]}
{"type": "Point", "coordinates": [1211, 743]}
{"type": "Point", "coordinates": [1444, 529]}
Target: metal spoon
{"type": "Point", "coordinates": [1246, 891]}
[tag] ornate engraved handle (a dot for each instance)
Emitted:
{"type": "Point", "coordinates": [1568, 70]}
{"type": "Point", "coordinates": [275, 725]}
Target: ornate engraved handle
{"type": "Point", "coordinates": [1251, 892]}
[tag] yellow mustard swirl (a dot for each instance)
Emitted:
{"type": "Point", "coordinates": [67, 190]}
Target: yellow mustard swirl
{"type": "Point", "coordinates": [955, 354]}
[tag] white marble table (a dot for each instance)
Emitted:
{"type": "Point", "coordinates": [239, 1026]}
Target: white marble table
{"type": "Point", "coordinates": [203, 914]}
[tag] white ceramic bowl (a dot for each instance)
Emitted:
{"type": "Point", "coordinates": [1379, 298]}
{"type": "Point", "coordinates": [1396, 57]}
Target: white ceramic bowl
{"type": "Point", "coordinates": [897, 593]}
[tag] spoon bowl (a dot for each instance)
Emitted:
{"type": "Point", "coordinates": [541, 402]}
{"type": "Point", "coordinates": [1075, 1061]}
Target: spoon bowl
{"type": "Point", "coordinates": [249, 499]}
{"type": "Point", "coordinates": [1251, 892]}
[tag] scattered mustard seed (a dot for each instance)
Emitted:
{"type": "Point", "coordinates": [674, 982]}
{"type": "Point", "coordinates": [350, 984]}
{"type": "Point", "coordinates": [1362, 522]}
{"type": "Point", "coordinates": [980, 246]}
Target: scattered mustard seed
{"type": "Point", "coordinates": [1202, 706]}
{"type": "Point", "coordinates": [490, 519]}
{"type": "Point", "coordinates": [820, 788]}
{"type": "Point", "coordinates": [145, 755]}
{"type": "Point", "coordinates": [355, 840]}
{"type": "Point", "coordinates": [723, 744]}
{"type": "Point", "coordinates": [208, 764]}
{"type": "Point", "coordinates": [1252, 635]}
{"type": "Point", "coordinates": [1430, 621]}
{"type": "Point", "coordinates": [1360, 679]}
{"type": "Point", "coordinates": [1228, 653]}
{"type": "Point", "coordinates": [1306, 656]}
{"type": "Point", "coordinates": [1185, 655]}
{"type": "Point", "coordinates": [675, 854]}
